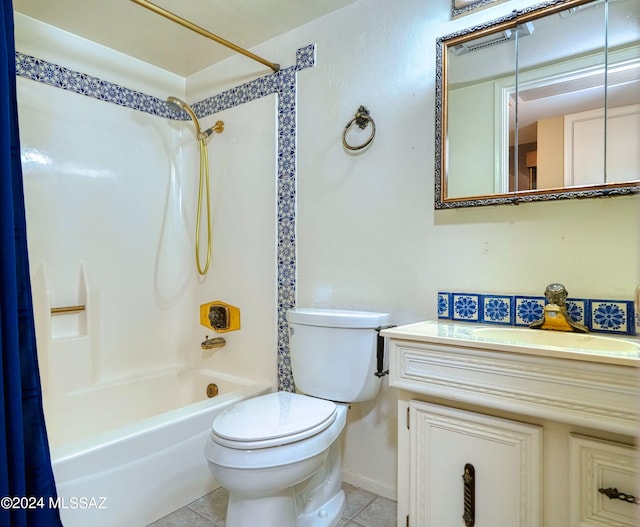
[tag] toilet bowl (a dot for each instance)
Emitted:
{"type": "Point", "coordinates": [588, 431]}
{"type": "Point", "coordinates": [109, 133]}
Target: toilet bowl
{"type": "Point", "coordinates": [279, 454]}
{"type": "Point", "coordinates": [279, 458]}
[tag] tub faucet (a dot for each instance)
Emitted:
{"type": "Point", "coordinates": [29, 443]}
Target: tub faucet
{"type": "Point", "coordinates": [555, 315]}
{"type": "Point", "coordinates": [216, 342]}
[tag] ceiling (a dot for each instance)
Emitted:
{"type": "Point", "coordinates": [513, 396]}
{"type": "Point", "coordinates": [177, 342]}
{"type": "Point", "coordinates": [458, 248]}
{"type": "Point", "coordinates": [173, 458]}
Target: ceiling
{"type": "Point", "coordinates": [130, 28]}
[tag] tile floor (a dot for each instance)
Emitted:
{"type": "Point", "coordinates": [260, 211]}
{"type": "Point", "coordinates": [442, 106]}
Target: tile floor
{"type": "Point", "coordinates": [362, 509]}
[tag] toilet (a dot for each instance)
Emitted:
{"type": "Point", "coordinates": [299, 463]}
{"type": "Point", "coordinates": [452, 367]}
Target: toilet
{"type": "Point", "coordinates": [279, 454]}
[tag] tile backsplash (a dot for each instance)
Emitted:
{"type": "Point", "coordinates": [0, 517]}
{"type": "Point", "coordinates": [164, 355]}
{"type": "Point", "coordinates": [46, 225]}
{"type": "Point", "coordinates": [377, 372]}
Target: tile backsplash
{"type": "Point", "coordinates": [599, 315]}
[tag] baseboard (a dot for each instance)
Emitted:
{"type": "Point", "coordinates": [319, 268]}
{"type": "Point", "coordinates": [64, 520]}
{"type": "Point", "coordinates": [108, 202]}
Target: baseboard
{"type": "Point", "coordinates": [376, 487]}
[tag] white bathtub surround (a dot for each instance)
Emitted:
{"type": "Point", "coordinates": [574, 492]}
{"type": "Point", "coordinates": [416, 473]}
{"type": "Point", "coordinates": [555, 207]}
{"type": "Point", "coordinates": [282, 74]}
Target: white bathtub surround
{"type": "Point", "coordinates": [282, 83]}
{"type": "Point", "coordinates": [110, 194]}
{"type": "Point", "coordinates": [137, 444]}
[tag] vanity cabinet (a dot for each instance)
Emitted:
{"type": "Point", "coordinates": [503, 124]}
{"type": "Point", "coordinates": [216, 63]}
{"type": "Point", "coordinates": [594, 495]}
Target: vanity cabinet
{"type": "Point", "coordinates": [547, 431]}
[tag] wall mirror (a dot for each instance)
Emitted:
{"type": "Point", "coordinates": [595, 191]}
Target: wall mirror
{"type": "Point", "coordinates": [542, 104]}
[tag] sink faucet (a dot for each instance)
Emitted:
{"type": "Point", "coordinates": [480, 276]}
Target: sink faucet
{"type": "Point", "coordinates": [555, 315]}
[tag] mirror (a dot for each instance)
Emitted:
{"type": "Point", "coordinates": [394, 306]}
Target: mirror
{"type": "Point", "coordinates": [543, 104]}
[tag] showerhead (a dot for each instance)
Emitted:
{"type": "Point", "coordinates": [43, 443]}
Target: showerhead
{"type": "Point", "coordinates": [177, 103]}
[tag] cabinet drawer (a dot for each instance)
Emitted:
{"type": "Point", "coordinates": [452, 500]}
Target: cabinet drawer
{"type": "Point", "coordinates": [598, 464]}
{"type": "Point", "coordinates": [591, 395]}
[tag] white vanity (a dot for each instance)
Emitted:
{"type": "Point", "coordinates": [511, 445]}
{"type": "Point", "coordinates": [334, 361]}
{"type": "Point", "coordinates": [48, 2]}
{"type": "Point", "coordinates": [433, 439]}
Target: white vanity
{"type": "Point", "coordinates": [541, 423]}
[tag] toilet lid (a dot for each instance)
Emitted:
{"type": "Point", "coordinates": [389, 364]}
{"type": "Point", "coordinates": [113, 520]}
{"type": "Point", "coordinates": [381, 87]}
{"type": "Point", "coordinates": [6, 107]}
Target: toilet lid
{"type": "Point", "coordinates": [273, 419]}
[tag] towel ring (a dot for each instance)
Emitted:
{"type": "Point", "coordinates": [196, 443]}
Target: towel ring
{"type": "Point", "coordinates": [362, 119]}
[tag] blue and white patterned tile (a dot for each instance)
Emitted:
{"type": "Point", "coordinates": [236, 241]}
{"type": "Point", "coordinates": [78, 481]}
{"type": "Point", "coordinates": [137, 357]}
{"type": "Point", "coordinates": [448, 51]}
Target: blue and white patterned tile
{"type": "Point", "coordinates": [611, 316]}
{"type": "Point", "coordinates": [74, 81]}
{"type": "Point", "coordinates": [578, 309]}
{"type": "Point", "coordinates": [306, 57]}
{"type": "Point", "coordinates": [465, 306]}
{"type": "Point", "coordinates": [528, 309]}
{"type": "Point", "coordinates": [444, 305]}
{"type": "Point", "coordinates": [286, 215]}
{"type": "Point", "coordinates": [497, 309]}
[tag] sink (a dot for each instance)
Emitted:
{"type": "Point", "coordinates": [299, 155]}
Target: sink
{"type": "Point", "coordinates": [581, 342]}
{"type": "Point", "coordinates": [611, 349]}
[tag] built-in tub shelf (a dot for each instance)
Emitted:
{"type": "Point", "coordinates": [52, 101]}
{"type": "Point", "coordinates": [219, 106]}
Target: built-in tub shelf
{"type": "Point", "coordinates": [67, 332]}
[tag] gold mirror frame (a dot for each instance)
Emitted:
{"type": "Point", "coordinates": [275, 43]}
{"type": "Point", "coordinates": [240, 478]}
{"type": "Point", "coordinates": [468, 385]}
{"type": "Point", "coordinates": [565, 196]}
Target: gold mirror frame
{"type": "Point", "coordinates": [441, 154]}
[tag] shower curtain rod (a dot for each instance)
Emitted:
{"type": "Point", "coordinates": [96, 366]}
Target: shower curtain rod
{"type": "Point", "coordinates": [193, 27]}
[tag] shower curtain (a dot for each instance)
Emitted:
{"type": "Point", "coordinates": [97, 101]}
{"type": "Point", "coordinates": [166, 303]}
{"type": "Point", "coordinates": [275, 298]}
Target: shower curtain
{"type": "Point", "coordinates": [27, 487]}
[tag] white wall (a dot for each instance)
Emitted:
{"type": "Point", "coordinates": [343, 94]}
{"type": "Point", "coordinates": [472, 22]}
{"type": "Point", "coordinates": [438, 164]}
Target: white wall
{"type": "Point", "coordinates": [368, 235]}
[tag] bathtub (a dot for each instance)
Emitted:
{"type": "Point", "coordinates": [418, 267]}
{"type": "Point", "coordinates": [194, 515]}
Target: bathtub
{"type": "Point", "coordinates": [127, 453]}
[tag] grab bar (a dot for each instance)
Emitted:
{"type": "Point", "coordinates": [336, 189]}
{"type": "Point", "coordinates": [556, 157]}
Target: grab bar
{"type": "Point", "coordinates": [66, 310]}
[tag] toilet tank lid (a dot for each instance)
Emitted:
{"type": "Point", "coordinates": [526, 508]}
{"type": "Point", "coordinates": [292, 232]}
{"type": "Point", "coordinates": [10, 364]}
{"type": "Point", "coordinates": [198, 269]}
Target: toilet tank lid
{"type": "Point", "coordinates": [337, 318]}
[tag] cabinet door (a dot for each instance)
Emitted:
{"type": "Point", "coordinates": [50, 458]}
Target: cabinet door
{"type": "Point", "coordinates": [506, 457]}
{"type": "Point", "coordinates": [598, 464]}
{"type": "Point", "coordinates": [584, 146]}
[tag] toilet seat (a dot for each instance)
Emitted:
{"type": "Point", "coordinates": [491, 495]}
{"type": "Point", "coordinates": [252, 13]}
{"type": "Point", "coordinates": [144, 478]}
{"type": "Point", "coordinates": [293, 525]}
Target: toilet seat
{"type": "Point", "coordinates": [274, 419]}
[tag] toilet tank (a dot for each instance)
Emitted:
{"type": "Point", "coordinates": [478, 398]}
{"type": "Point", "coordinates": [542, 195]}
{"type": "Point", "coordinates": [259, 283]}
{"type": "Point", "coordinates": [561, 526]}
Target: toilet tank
{"type": "Point", "coordinates": [333, 352]}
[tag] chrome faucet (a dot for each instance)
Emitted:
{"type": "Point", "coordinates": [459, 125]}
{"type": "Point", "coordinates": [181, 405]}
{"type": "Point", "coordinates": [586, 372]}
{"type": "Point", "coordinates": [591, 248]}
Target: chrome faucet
{"type": "Point", "coordinates": [555, 315]}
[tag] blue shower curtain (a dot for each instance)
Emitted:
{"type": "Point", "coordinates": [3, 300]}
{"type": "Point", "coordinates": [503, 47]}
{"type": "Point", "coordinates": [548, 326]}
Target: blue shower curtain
{"type": "Point", "coordinates": [27, 487]}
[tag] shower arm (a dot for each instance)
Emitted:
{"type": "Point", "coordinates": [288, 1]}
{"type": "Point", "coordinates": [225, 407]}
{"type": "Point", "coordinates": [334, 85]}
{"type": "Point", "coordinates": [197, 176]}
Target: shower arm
{"type": "Point", "coordinates": [193, 27]}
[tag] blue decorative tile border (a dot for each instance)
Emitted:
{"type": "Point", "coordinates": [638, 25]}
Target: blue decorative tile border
{"type": "Point", "coordinates": [51, 74]}
{"type": "Point", "coordinates": [284, 84]}
{"type": "Point", "coordinates": [605, 316]}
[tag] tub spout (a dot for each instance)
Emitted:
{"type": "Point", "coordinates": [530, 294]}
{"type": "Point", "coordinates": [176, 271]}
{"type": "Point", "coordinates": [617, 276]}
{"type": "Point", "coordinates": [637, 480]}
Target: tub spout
{"type": "Point", "coordinates": [555, 315]}
{"type": "Point", "coordinates": [216, 342]}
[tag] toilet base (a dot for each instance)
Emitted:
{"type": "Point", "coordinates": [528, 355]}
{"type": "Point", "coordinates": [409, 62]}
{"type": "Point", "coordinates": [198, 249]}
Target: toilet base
{"type": "Point", "coordinates": [275, 510]}
{"type": "Point", "coordinates": [326, 516]}
{"type": "Point", "coordinates": [316, 502]}
{"type": "Point", "coordinates": [279, 510]}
